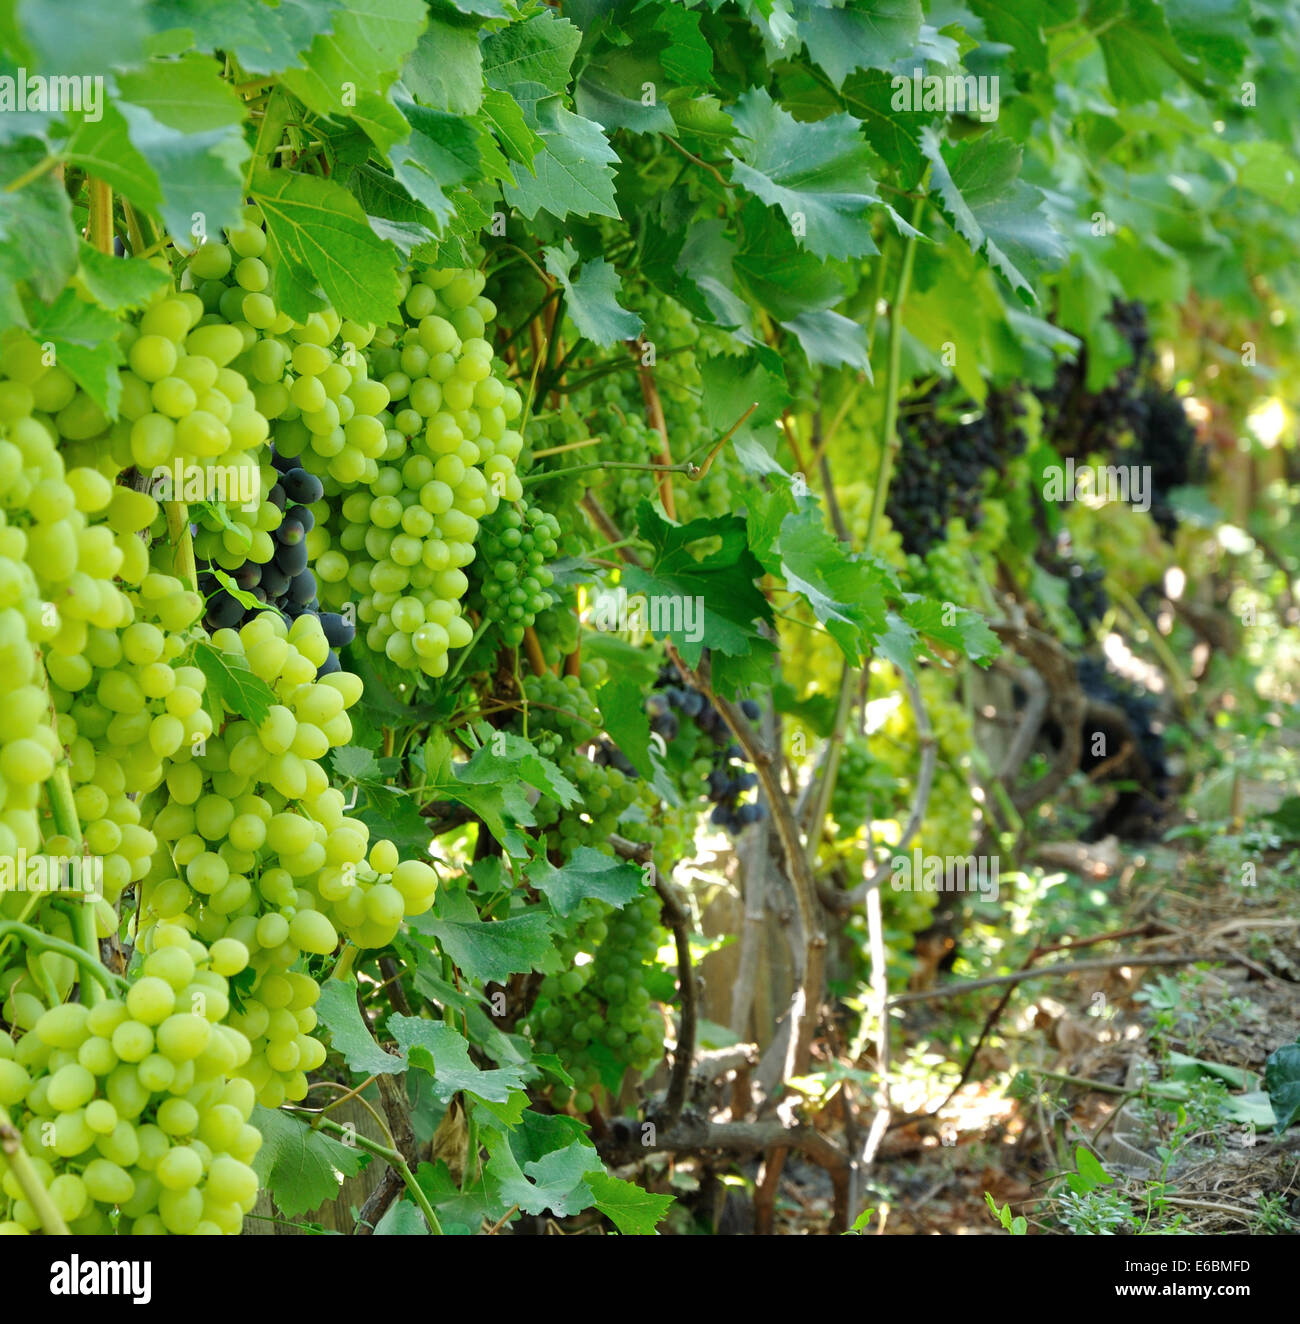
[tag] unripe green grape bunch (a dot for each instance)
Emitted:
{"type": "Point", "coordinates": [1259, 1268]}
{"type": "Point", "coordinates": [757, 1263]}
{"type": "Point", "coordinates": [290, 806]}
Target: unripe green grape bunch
{"type": "Point", "coordinates": [603, 1002]}
{"type": "Point", "coordinates": [565, 725]}
{"type": "Point", "coordinates": [514, 547]}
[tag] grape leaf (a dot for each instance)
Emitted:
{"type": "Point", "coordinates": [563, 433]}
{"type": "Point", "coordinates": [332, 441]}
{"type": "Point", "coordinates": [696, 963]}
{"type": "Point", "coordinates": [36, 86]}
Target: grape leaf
{"type": "Point", "coordinates": [199, 173]}
{"type": "Point", "coordinates": [707, 265]}
{"type": "Point", "coordinates": [531, 60]}
{"type": "Point", "coordinates": [830, 338]}
{"type": "Point", "coordinates": [619, 90]}
{"type": "Point", "coordinates": [403, 1218]}
{"type": "Point", "coordinates": [622, 709]}
{"type": "Point", "coordinates": [240, 595]}
{"type": "Point", "coordinates": [85, 340]}
{"type": "Point", "coordinates": [368, 43]}
{"type": "Point", "coordinates": [445, 70]}
{"type": "Point", "coordinates": [819, 174]}
{"type": "Point", "coordinates": [97, 37]}
{"type": "Point", "coordinates": [232, 685]}
{"type": "Point", "coordinates": [571, 173]}
{"type": "Point", "coordinates": [894, 135]}
{"type": "Point", "coordinates": [37, 241]}
{"type": "Point", "coordinates": [842, 39]}
{"type": "Point", "coordinates": [507, 121]}
{"type": "Point", "coordinates": [635, 1212]}
{"type": "Point", "coordinates": [845, 591]}
{"type": "Point", "coordinates": [586, 873]}
{"type": "Point", "coordinates": [591, 297]}
{"type": "Point", "coordinates": [687, 58]}
{"type": "Point", "coordinates": [555, 1182]}
{"type": "Point", "coordinates": [1018, 24]}
{"type": "Point", "coordinates": [441, 152]}
{"type": "Point", "coordinates": [779, 275]}
{"type": "Point", "coordinates": [188, 94]}
{"type": "Point", "coordinates": [119, 283]}
{"type": "Point", "coordinates": [957, 627]}
{"type": "Point", "coordinates": [264, 38]}
{"type": "Point", "coordinates": [506, 756]}
{"type": "Point", "coordinates": [995, 211]}
{"type": "Point", "coordinates": [711, 602]}
{"type": "Point", "coordinates": [440, 1050]}
{"type": "Point", "coordinates": [299, 1166]}
{"type": "Point", "coordinates": [731, 385]}
{"type": "Point", "coordinates": [317, 225]}
{"type": "Point", "coordinates": [349, 1036]}
{"type": "Point", "coordinates": [492, 950]}
{"type": "Point", "coordinates": [104, 149]}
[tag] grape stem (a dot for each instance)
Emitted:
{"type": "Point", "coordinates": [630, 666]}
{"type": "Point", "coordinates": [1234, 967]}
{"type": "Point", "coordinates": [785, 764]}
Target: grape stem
{"type": "Point", "coordinates": [46, 942]}
{"type": "Point", "coordinates": [888, 427]}
{"type": "Point", "coordinates": [19, 1163]}
{"type": "Point", "coordinates": [99, 229]}
{"type": "Point", "coordinates": [678, 921]}
{"type": "Point", "coordinates": [29, 176]}
{"type": "Point", "coordinates": [182, 541]}
{"type": "Point", "coordinates": [533, 647]}
{"type": "Point", "coordinates": [721, 442]}
{"type": "Point", "coordinates": [395, 1161]}
{"type": "Point", "coordinates": [63, 808]}
{"type": "Point", "coordinates": [690, 470]}
{"type": "Point", "coordinates": [655, 417]}
{"type": "Point", "coordinates": [347, 959]}
{"type": "Point", "coordinates": [568, 446]}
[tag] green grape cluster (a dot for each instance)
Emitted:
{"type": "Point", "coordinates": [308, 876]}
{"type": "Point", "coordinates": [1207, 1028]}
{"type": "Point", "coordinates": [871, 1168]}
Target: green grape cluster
{"type": "Point", "coordinates": [559, 633]}
{"type": "Point", "coordinates": [599, 1009]}
{"type": "Point", "coordinates": [515, 546]}
{"type": "Point", "coordinates": [261, 854]}
{"type": "Point", "coordinates": [619, 419]}
{"type": "Point", "coordinates": [565, 725]}
{"type": "Point", "coordinates": [129, 1106]}
{"type": "Point", "coordinates": [405, 537]}
{"type": "Point", "coordinates": [71, 551]}
{"type": "Point", "coordinates": [127, 705]}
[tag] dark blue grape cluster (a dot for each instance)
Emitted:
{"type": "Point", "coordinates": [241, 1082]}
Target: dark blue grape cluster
{"type": "Point", "coordinates": [284, 582]}
{"type": "Point", "coordinates": [730, 777]}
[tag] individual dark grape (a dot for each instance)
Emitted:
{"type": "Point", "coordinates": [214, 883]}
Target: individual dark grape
{"type": "Point", "coordinates": [274, 581]}
{"type": "Point", "coordinates": [223, 610]}
{"type": "Point", "coordinates": [302, 589]}
{"type": "Point", "coordinates": [302, 486]}
{"type": "Point", "coordinates": [291, 558]}
{"type": "Point", "coordinates": [338, 632]}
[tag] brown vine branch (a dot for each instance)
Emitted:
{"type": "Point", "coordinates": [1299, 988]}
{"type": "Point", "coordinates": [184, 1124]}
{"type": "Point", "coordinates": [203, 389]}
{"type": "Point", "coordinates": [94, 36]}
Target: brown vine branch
{"type": "Point", "coordinates": [1066, 968]}
{"type": "Point", "coordinates": [679, 922]}
{"type": "Point", "coordinates": [655, 417]}
{"type": "Point", "coordinates": [806, 1002]}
